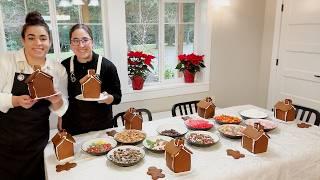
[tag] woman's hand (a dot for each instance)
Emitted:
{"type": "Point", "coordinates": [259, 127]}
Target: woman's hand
{"type": "Point", "coordinates": [24, 101]}
{"type": "Point", "coordinates": [56, 101]}
{"type": "Point", "coordinates": [109, 100]}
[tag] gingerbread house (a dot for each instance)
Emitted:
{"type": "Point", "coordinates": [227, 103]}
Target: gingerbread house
{"type": "Point", "coordinates": [254, 139]}
{"type": "Point", "coordinates": [132, 119]}
{"type": "Point", "coordinates": [63, 145]}
{"type": "Point", "coordinates": [178, 157]}
{"type": "Point", "coordinates": [90, 85]}
{"type": "Point", "coordinates": [284, 110]}
{"type": "Point", "coordinates": [40, 84]}
{"type": "Point", "coordinates": [206, 108]}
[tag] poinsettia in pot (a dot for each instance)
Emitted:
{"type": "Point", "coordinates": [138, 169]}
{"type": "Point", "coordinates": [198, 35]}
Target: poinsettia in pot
{"type": "Point", "coordinates": [139, 66]}
{"type": "Point", "coordinates": [189, 64]}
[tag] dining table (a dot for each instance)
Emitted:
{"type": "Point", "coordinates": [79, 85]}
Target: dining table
{"type": "Point", "coordinates": [292, 153]}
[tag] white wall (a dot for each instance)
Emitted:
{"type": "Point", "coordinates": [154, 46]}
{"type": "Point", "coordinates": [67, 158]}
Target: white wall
{"type": "Point", "coordinates": [237, 42]}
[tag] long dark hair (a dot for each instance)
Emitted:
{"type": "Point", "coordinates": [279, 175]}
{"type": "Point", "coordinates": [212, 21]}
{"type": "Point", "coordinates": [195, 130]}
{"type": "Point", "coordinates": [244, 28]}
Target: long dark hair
{"type": "Point", "coordinates": [34, 18]}
{"type": "Point", "coordinates": [80, 26]}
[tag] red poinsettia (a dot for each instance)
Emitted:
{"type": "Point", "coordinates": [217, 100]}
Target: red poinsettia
{"type": "Point", "coordinates": [190, 62]}
{"type": "Point", "coordinates": [139, 63]}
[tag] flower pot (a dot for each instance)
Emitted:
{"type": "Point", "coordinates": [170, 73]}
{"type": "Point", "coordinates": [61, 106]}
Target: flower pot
{"type": "Point", "coordinates": [137, 82]}
{"type": "Point", "coordinates": [188, 76]}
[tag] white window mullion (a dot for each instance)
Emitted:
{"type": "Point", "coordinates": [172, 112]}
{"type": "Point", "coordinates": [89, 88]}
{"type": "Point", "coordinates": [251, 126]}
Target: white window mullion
{"type": "Point", "coordinates": [196, 25]}
{"type": "Point", "coordinates": [105, 30]}
{"type": "Point", "coordinates": [161, 40]}
{"type": "Point", "coordinates": [54, 28]}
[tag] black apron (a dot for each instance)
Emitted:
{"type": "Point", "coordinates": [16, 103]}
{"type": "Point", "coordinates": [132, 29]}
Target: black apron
{"type": "Point", "coordinates": [84, 116]}
{"type": "Point", "coordinates": [24, 135]}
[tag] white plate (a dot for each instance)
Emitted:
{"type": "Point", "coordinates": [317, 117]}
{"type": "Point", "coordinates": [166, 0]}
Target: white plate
{"type": "Point", "coordinates": [107, 139]}
{"type": "Point", "coordinates": [267, 124]}
{"type": "Point", "coordinates": [253, 114]}
{"type": "Point", "coordinates": [47, 96]}
{"type": "Point", "coordinates": [153, 139]}
{"type": "Point", "coordinates": [215, 138]}
{"type": "Point", "coordinates": [110, 153]}
{"type": "Point", "coordinates": [103, 96]}
{"type": "Point", "coordinates": [180, 128]}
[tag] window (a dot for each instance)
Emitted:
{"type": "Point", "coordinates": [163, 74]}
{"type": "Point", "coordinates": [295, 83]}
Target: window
{"type": "Point", "coordinates": [162, 34]}
{"type": "Point", "coordinates": [65, 16]}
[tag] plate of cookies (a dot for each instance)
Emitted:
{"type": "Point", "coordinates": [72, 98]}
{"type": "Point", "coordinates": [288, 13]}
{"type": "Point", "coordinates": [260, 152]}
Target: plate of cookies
{"type": "Point", "coordinates": [126, 155]}
{"type": "Point", "coordinates": [130, 136]}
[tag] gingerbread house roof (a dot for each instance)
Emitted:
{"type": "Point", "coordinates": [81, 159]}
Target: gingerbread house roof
{"type": "Point", "coordinates": [91, 75]}
{"type": "Point", "coordinates": [283, 106]}
{"type": "Point", "coordinates": [205, 104]}
{"type": "Point", "coordinates": [35, 74]}
{"type": "Point", "coordinates": [252, 133]}
{"type": "Point", "coordinates": [173, 149]}
{"type": "Point", "coordinates": [60, 137]}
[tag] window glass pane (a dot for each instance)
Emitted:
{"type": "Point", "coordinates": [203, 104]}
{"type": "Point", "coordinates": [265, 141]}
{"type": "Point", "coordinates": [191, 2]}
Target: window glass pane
{"type": "Point", "coordinates": [171, 12]}
{"type": "Point", "coordinates": [132, 11]}
{"type": "Point", "coordinates": [39, 5]}
{"type": "Point", "coordinates": [149, 11]}
{"type": "Point", "coordinates": [188, 43]}
{"type": "Point", "coordinates": [170, 55]}
{"type": "Point", "coordinates": [188, 12]}
{"type": "Point", "coordinates": [67, 14]}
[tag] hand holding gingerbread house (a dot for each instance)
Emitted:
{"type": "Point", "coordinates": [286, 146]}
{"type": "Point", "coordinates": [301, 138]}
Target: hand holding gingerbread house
{"type": "Point", "coordinates": [132, 119]}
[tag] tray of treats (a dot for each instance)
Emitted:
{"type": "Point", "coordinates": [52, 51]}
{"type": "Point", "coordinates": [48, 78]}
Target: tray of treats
{"type": "Point", "coordinates": [126, 155]}
{"type": "Point", "coordinates": [233, 131]}
{"type": "Point", "coordinates": [202, 138]}
{"type": "Point", "coordinates": [267, 124]}
{"type": "Point", "coordinates": [156, 143]}
{"type": "Point", "coordinates": [99, 146]}
{"type": "Point", "coordinates": [130, 136]}
{"type": "Point", "coordinates": [227, 119]}
{"type": "Point", "coordinates": [172, 130]}
{"type": "Point", "coordinates": [198, 124]}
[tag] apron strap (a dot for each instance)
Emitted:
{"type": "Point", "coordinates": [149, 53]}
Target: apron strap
{"type": "Point", "coordinates": [99, 65]}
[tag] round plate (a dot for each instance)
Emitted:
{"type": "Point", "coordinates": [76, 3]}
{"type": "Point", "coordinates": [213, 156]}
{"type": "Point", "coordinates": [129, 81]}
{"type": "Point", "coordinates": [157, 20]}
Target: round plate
{"type": "Point", "coordinates": [38, 98]}
{"type": "Point", "coordinates": [227, 119]}
{"type": "Point", "coordinates": [93, 142]}
{"type": "Point", "coordinates": [103, 96]}
{"type": "Point", "coordinates": [156, 143]}
{"type": "Point", "coordinates": [130, 136]}
{"type": "Point", "coordinates": [231, 130]}
{"type": "Point", "coordinates": [253, 114]}
{"type": "Point", "coordinates": [180, 129]}
{"type": "Point", "coordinates": [196, 138]}
{"type": "Point", "coordinates": [267, 124]}
{"type": "Point", "coordinates": [123, 158]}
{"type": "Point", "coordinates": [198, 124]}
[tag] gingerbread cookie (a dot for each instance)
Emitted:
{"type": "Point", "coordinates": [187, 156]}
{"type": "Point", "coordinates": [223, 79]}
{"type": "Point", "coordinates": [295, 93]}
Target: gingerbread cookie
{"type": "Point", "coordinates": [155, 173]}
{"type": "Point", "coordinates": [111, 133]}
{"type": "Point", "coordinates": [234, 154]}
{"type": "Point", "coordinates": [185, 118]}
{"type": "Point", "coordinates": [66, 167]}
{"type": "Point", "coordinates": [303, 125]}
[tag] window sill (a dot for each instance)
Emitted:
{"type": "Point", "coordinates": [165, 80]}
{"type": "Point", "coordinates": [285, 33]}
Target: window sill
{"type": "Point", "coordinates": [164, 90]}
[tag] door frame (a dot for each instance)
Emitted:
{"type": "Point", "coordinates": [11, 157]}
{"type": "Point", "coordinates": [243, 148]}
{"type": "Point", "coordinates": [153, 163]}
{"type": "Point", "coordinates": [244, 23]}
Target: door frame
{"type": "Point", "coordinates": [275, 54]}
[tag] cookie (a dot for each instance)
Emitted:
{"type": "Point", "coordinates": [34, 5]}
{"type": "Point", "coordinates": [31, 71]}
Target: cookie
{"type": "Point", "coordinates": [155, 173]}
{"type": "Point", "coordinates": [111, 133]}
{"type": "Point", "coordinates": [303, 125]}
{"type": "Point", "coordinates": [234, 154]}
{"type": "Point", "coordinates": [65, 167]}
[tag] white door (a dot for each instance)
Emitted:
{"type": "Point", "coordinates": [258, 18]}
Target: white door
{"type": "Point", "coordinates": [297, 75]}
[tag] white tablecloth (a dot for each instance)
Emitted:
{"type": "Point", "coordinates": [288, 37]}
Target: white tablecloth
{"type": "Point", "coordinates": [293, 153]}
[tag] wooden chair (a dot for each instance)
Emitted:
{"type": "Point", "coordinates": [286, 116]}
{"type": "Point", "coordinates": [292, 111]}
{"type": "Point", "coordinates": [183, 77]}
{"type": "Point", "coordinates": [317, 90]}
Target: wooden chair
{"type": "Point", "coordinates": [305, 114]}
{"type": "Point", "coordinates": [141, 112]}
{"type": "Point", "coordinates": [184, 108]}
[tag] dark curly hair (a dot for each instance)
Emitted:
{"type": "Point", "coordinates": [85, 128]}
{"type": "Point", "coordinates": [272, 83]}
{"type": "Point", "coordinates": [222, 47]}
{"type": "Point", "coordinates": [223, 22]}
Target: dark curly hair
{"type": "Point", "coordinates": [34, 18]}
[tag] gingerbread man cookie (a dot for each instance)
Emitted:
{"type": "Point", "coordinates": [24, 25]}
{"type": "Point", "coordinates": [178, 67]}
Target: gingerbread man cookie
{"type": "Point", "coordinates": [66, 167]}
{"type": "Point", "coordinates": [155, 173]}
{"type": "Point", "coordinates": [234, 154]}
{"type": "Point", "coordinates": [303, 125]}
{"type": "Point", "coordinates": [111, 133]}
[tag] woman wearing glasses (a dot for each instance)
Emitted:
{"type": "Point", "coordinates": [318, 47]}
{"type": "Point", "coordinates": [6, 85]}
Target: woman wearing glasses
{"type": "Point", "coordinates": [24, 122]}
{"type": "Point", "coordinates": [84, 116]}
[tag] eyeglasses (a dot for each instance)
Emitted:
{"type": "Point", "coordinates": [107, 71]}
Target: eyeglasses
{"type": "Point", "coordinates": [77, 41]}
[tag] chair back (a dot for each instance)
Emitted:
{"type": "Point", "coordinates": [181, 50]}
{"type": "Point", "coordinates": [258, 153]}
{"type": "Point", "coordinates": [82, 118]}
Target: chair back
{"type": "Point", "coordinates": [306, 114]}
{"type": "Point", "coordinates": [184, 108]}
{"type": "Point", "coordinates": [141, 112]}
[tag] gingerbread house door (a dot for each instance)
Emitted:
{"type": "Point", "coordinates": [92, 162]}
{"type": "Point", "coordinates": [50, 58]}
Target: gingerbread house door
{"type": "Point", "coordinates": [295, 71]}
